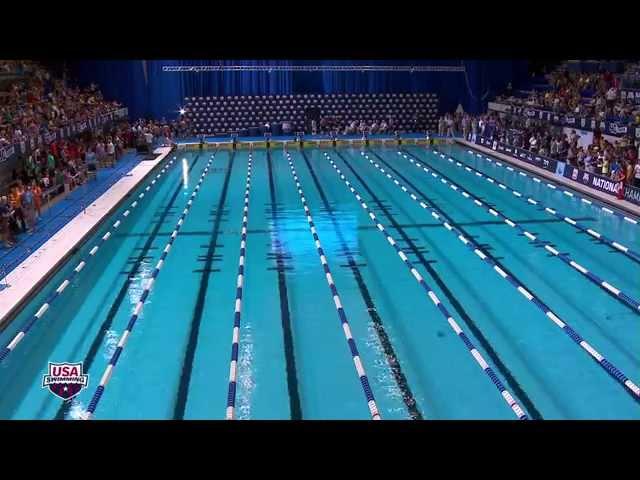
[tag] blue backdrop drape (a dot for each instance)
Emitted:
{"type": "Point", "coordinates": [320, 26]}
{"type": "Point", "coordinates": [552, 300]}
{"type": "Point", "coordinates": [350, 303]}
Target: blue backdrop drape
{"type": "Point", "coordinates": [154, 93]}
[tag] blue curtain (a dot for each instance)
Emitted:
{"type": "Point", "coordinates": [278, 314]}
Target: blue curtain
{"type": "Point", "coordinates": [160, 94]}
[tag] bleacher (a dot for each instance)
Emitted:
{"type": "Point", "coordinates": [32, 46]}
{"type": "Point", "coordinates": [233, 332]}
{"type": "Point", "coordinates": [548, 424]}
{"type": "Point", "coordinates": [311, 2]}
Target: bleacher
{"type": "Point", "coordinates": [247, 115]}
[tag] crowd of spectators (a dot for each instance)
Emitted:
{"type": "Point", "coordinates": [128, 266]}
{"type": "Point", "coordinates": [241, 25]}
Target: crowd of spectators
{"type": "Point", "coordinates": [595, 95]}
{"type": "Point", "coordinates": [63, 165]}
{"type": "Point", "coordinates": [34, 103]}
{"type": "Point", "coordinates": [38, 104]}
{"type": "Point", "coordinates": [617, 159]}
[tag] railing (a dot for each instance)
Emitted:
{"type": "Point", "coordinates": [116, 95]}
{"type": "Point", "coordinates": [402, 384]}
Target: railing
{"type": "Point", "coordinates": [24, 247]}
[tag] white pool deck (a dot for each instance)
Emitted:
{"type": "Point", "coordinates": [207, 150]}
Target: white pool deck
{"type": "Point", "coordinates": [27, 277]}
{"type": "Point", "coordinates": [601, 196]}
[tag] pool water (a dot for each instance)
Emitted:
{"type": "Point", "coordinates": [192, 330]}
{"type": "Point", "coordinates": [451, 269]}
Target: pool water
{"type": "Point", "coordinates": [294, 361]}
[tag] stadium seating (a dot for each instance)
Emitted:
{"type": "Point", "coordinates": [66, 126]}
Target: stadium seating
{"type": "Point", "coordinates": [223, 115]}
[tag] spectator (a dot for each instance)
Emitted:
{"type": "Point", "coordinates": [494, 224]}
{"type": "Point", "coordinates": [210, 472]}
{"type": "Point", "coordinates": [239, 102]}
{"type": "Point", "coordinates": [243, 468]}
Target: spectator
{"type": "Point", "coordinates": [29, 208]}
{"type": "Point", "coordinates": [37, 197]}
{"type": "Point", "coordinates": [5, 217]}
{"type": "Point", "coordinates": [111, 152]}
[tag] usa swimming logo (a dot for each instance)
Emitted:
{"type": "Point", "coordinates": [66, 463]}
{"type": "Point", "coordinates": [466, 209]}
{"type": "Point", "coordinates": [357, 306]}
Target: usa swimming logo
{"type": "Point", "coordinates": [65, 380]}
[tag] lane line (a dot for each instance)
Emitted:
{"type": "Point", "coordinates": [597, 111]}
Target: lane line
{"type": "Point", "coordinates": [515, 407]}
{"type": "Point", "coordinates": [535, 240]}
{"type": "Point", "coordinates": [279, 252]}
{"type": "Point", "coordinates": [385, 342]}
{"type": "Point", "coordinates": [364, 380]}
{"type": "Point", "coordinates": [106, 376]}
{"type": "Point", "coordinates": [628, 252]}
{"type": "Point", "coordinates": [235, 341]}
{"type": "Point", "coordinates": [577, 194]}
{"type": "Point", "coordinates": [610, 368]}
{"type": "Point", "coordinates": [182, 392]}
{"type": "Point", "coordinates": [27, 325]}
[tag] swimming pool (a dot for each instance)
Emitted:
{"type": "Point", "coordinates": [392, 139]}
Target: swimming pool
{"type": "Point", "coordinates": [444, 278]}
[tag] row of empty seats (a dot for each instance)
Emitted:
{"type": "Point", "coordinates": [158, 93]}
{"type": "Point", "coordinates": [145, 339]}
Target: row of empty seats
{"type": "Point", "coordinates": [407, 111]}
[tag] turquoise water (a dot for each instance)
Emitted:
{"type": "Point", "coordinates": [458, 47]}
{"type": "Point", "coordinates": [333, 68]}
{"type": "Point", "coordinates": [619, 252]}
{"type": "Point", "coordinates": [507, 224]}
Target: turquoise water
{"type": "Point", "coordinates": [294, 361]}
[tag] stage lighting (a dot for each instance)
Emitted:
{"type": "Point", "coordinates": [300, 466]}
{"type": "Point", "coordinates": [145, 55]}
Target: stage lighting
{"type": "Point", "coordinates": [182, 111]}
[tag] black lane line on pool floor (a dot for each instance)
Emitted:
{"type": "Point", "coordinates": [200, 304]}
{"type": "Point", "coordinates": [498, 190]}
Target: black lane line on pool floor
{"type": "Point", "coordinates": [385, 342]}
{"type": "Point", "coordinates": [196, 319]}
{"type": "Point", "coordinates": [630, 387]}
{"type": "Point", "coordinates": [504, 370]}
{"type": "Point", "coordinates": [285, 316]}
{"type": "Point", "coordinates": [122, 293]}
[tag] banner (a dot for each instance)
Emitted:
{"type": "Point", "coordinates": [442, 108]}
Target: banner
{"type": "Point", "coordinates": [610, 127]}
{"type": "Point", "coordinates": [632, 194]}
{"type": "Point", "coordinates": [31, 143]}
{"type": "Point", "coordinates": [6, 153]}
{"type": "Point", "coordinates": [548, 164]}
{"type": "Point", "coordinates": [499, 107]}
{"type": "Point", "coordinates": [631, 95]}
{"type": "Point", "coordinates": [595, 181]}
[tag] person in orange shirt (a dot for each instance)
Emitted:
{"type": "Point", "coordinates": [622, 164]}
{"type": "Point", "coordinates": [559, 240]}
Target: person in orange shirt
{"type": "Point", "coordinates": [37, 197]}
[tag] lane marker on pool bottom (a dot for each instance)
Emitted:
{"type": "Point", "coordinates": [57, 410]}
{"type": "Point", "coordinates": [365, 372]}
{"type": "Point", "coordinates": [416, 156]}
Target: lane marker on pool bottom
{"type": "Point", "coordinates": [26, 327]}
{"type": "Point", "coordinates": [355, 355]}
{"type": "Point", "coordinates": [106, 376]}
{"type": "Point", "coordinates": [477, 356]}
{"type": "Point", "coordinates": [235, 342]}
{"type": "Point", "coordinates": [610, 368]}
{"type": "Point", "coordinates": [536, 241]}
{"type": "Point", "coordinates": [551, 211]}
{"type": "Point", "coordinates": [577, 195]}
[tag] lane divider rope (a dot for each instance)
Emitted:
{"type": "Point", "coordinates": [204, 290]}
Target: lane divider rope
{"type": "Point", "coordinates": [106, 376]}
{"type": "Point", "coordinates": [538, 180]}
{"type": "Point", "coordinates": [362, 375]}
{"type": "Point", "coordinates": [551, 211]}
{"type": "Point", "coordinates": [26, 327]}
{"type": "Point", "coordinates": [609, 367]}
{"type": "Point", "coordinates": [477, 356]}
{"type": "Point", "coordinates": [235, 342]}
{"type": "Point", "coordinates": [535, 240]}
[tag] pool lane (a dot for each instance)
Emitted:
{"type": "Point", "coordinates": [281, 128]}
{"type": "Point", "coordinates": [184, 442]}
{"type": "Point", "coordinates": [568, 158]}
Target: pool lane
{"type": "Point", "coordinates": [83, 326]}
{"type": "Point", "coordinates": [437, 365]}
{"type": "Point", "coordinates": [597, 257]}
{"type": "Point", "coordinates": [614, 319]}
{"type": "Point", "coordinates": [520, 261]}
{"type": "Point", "coordinates": [329, 385]}
{"type": "Point", "coordinates": [592, 213]}
{"type": "Point", "coordinates": [176, 363]}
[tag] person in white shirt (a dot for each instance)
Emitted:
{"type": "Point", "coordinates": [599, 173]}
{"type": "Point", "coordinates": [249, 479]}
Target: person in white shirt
{"type": "Point", "coordinates": [636, 175]}
{"type": "Point", "coordinates": [450, 127]}
{"type": "Point", "coordinates": [533, 143]}
{"type": "Point", "coordinates": [111, 151]}
{"type": "Point", "coordinates": [611, 96]}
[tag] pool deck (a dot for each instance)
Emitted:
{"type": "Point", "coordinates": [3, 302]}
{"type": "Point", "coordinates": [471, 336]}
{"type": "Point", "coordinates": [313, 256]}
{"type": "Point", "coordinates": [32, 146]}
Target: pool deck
{"type": "Point", "coordinates": [600, 196]}
{"type": "Point", "coordinates": [28, 275]}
